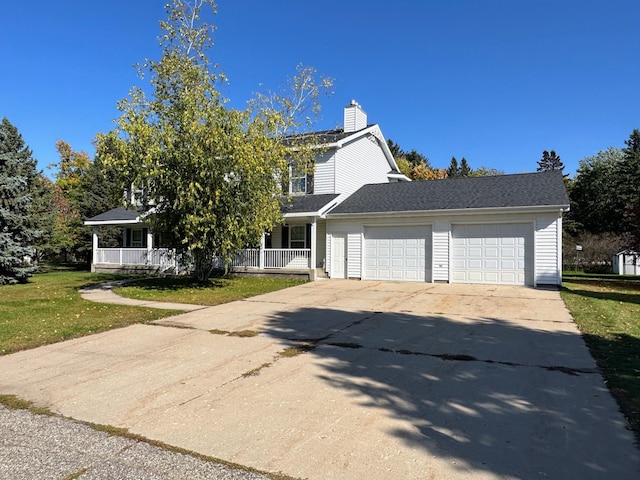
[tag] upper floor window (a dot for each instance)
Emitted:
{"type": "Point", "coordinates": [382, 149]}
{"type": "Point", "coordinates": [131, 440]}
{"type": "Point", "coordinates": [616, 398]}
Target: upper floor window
{"type": "Point", "coordinates": [299, 184]}
{"type": "Point", "coordinates": [299, 181]}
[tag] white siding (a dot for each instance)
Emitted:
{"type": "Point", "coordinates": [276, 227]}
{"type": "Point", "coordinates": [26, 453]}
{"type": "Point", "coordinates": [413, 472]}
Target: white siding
{"type": "Point", "coordinates": [327, 246]}
{"type": "Point", "coordinates": [324, 174]}
{"type": "Point", "coordinates": [547, 253]}
{"type": "Point", "coordinates": [321, 234]}
{"type": "Point", "coordinates": [276, 237]}
{"type": "Point", "coordinates": [355, 118]}
{"type": "Point", "coordinates": [441, 251]}
{"type": "Point", "coordinates": [354, 255]}
{"type": "Point", "coordinates": [359, 163]}
{"type": "Point", "coordinates": [543, 257]}
{"type": "Point", "coordinates": [353, 232]}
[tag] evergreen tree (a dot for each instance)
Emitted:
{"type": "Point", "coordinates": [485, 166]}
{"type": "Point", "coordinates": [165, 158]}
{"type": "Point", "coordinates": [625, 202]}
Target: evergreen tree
{"type": "Point", "coordinates": [17, 231]}
{"type": "Point", "coordinates": [396, 151]}
{"type": "Point", "coordinates": [628, 185]}
{"type": "Point", "coordinates": [43, 214]}
{"type": "Point", "coordinates": [550, 162]}
{"type": "Point", "coordinates": [453, 170]}
{"type": "Point", "coordinates": [465, 169]}
{"type": "Point", "coordinates": [415, 158]}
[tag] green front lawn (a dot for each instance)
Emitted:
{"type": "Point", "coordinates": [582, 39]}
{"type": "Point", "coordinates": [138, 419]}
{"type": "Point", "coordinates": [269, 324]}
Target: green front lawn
{"type": "Point", "coordinates": [49, 309]}
{"type": "Point", "coordinates": [607, 312]}
{"type": "Point", "coordinates": [213, 292]}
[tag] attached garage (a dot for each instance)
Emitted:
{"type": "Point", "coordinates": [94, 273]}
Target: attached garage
{"type": "Point", "coordinates": [397, 253]}
{"type": "Point", "coordinates": [492, 230]}
{"type": "Point", "coordinates": [492, 253]}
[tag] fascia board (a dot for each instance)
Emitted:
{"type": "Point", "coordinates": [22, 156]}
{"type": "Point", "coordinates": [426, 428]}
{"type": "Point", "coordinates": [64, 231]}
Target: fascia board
{"type": "Point", "coordinates": [457, 212]}
{"type": "Point", "coordinates": [301, 214]}
{"type": "Point", "coordinates": [112, 222]}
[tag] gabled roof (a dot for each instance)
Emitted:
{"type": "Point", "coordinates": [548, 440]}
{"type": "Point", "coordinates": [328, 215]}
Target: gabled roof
{"type": "Point", "coordinates": [115, 216]}
{"type": "Point", "coordinates": [339, 138]}
{"type": "Point", "coordinates": [503, 191]}
{"type": "Point", "coordinates": [323, 137]}
{"type": "Point", "coordinates": [307, 204]}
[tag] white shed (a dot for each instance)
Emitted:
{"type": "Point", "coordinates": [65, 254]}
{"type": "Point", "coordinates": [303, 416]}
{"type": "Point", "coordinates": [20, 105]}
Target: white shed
{"type": "Point", "coordinates": [626, 262]}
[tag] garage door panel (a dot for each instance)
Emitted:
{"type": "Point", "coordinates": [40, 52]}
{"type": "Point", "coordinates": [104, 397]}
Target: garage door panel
{"type": "Point", "coordinates": [398, 253]}
{"type": "Point", "coordinates": [492, 253]}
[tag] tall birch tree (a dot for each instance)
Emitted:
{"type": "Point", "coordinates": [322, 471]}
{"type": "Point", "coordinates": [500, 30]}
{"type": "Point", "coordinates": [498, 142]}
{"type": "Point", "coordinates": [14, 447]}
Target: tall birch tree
{"type": "Point", "coordinates": [211, 174]}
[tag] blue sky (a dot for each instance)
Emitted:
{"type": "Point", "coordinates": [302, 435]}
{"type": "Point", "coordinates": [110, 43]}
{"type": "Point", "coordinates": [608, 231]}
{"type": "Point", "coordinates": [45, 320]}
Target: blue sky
{"type": "Point", "coordinates": [495, 81]}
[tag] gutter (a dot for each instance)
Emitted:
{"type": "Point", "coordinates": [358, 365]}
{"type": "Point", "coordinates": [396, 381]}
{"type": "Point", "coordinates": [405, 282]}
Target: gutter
{"type": "Point", "coordinates": [457, 212]}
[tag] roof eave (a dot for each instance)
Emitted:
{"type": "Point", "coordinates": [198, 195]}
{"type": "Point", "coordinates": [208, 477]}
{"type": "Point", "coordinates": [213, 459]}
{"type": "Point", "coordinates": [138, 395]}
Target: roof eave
{"type": "Point", "coordinates": [95, 223]}
{"type": "Point", "coordinates": [457, 212]}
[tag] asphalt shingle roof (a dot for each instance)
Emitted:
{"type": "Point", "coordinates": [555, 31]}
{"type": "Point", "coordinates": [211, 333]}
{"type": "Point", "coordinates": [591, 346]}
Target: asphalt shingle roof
{"type": "Point", "coordinates": [116, 214]}
{"type": "Point", "coordinates": [307, 203]}
{"type": "Point", "coordinates": [322, 137]}
{"type": "Point", "coordinates": [519, 190]}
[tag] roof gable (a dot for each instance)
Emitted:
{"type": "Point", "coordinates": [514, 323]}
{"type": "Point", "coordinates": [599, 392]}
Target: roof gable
{"type": "Point", "coordinates": [503, 191]}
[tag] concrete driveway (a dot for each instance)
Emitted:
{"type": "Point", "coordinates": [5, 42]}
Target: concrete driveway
{"type": "Point", "coordinates": [391, 380]}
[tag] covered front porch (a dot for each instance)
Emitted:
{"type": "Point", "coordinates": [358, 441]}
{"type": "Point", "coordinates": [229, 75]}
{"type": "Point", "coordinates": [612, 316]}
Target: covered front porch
{"type": "Point", "coordinates": [297, 247]}
{"type": "Point", "coordinates": [165, 260]}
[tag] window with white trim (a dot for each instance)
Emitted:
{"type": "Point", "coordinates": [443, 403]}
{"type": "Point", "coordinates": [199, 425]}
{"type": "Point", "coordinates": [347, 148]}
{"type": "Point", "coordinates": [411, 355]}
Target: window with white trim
{"type": "Point", "coordinates": [136, 238]}
{"type": "Point", "coordinates": [299, 181]}
{"type": "Point", "coordinates": [297, 236]}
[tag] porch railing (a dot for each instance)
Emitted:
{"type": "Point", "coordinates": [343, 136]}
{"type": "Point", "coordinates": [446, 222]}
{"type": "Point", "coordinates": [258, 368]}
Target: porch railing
{"type": "Point", "coordinates": [269, 258]}
{"type": "Point", "coordinates": [293, 258]}
{"type": "Point", "coordinates": [157, 257]}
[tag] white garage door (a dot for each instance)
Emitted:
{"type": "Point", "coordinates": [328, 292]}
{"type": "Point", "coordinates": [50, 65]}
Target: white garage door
{"type": "Point", "coordinates": [398, 253]}
{"type": "Point", "coordinates": [499, 253]}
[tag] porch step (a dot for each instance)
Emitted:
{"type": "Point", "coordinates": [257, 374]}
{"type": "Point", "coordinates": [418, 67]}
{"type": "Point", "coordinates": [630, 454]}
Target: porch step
{"type": "Point", "coordinates": [321, 274]}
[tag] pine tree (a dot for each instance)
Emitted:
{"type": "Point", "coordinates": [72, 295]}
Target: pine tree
{"type": "Point", "coordinates": [465, 169]}
{"type": "Point", "coordinates": [453, 170]}
{"type": "Point", "coordinates": [17, 232]}
{"type": "Point", "coordinates": [628, 180]}
{"type": "Point", "coordinates": [550, 162]}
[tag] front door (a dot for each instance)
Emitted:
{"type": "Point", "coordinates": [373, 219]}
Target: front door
{"type": "Point", "coordinates": [338, 256]}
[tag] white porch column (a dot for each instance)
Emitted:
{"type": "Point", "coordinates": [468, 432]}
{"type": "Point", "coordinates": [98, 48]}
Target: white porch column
{"type": "Point", "coordinates": [314, 247]}
{"type": "Point", "coordinates": [261, 253]}
{"type": "Point", "coordinates": [149, 247]}
{"type": "Point", "coordinates": [94, 242]}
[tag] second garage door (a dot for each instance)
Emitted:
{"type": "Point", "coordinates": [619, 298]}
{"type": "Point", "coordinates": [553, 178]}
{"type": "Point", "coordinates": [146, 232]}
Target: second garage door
{"type": "Point", "coordinates": [499, 253]}
{"type": "Point", "coordinates": [398, 253]}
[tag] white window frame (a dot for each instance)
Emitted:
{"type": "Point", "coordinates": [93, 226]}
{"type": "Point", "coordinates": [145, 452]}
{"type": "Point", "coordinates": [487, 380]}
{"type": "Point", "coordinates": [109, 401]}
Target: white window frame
{"type": "Point", "coordinates": [136, 243]}
{"type": "Point", "coordinates": [297, 183]}
{"type": "Point", "coordinates": [301, 241]}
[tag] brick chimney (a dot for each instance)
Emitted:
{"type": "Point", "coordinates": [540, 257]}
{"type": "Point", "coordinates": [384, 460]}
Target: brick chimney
{"type": "Point", "coordinates": [355, 117]}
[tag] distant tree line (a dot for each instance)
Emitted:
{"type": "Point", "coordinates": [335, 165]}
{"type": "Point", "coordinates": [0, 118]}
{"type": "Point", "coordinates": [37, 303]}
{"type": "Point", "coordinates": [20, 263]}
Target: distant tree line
{"type": "Point", "coordinates": [417, 166]}
{"type": "Point", "coordinates": [604, 196]}
{"type": "Point", "coordinates": [605, 206]}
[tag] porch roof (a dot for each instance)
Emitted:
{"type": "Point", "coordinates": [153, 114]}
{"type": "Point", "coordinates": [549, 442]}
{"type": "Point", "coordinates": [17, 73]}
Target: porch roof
{"type": "Point", "coordinates": [116, 216]}
{"type": "Point", "coordinates": [307, 205]}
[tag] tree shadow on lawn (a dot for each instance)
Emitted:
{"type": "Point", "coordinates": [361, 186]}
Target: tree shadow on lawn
{"type": "Point", "coordinates": [633, 298]}
{"type": "Point", "coordinates": [632, 295]}
{"type": "Point", "coordinates": [618, 355]}
{"type": "Point", "coordinates": [159, 284]}
{"type": "Point", "coordinates": [485, 394]}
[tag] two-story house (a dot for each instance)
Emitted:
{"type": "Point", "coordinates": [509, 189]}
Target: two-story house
{"type": "Point", "coordinates": [357, 216]}
{"type": "Point", "coordinates": [350, 157]}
